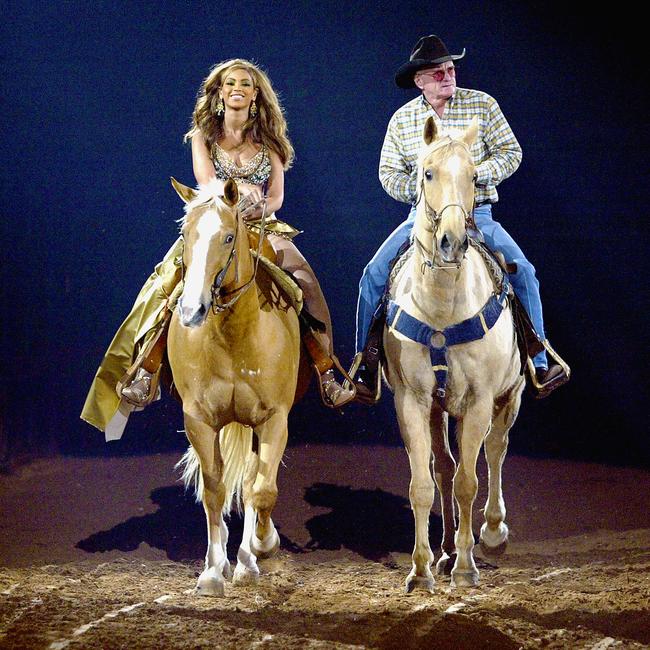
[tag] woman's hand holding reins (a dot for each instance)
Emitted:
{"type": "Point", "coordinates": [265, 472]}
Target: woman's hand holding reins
{"type": "Point", "coordinates": [250, 203]}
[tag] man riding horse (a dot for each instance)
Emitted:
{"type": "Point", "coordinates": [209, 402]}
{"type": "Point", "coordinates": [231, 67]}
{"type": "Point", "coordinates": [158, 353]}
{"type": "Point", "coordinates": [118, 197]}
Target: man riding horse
{"type": "Point", "coordinates": [497, 156]}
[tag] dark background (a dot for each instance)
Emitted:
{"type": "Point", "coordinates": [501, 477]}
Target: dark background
{"type": "Point", "coordinates": [95, 100]}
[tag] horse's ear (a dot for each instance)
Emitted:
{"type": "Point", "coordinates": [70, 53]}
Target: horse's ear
{"type": "Point", "coordinates": [472, 130]}
{"type": "Point", "coordinates": [231, 192]}
{"type": "Point", "coordinates": [187, 194]}
{"type": "Point", "coordinates": [430, 131]}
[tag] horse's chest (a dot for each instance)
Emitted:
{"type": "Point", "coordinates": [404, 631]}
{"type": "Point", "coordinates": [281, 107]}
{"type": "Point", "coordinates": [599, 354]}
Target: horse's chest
{"type": "Point", "coordinates": [413, 368]}
{"type": "Point", "coordinates": [242, 399]}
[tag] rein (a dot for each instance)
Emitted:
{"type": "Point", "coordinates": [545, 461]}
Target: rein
{"type": "Point", "coordinates": [216, 290]}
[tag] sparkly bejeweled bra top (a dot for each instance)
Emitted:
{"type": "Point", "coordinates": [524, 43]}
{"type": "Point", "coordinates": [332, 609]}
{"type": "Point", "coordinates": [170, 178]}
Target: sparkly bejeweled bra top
{"type": "Point", "coordinates": [256, 171]}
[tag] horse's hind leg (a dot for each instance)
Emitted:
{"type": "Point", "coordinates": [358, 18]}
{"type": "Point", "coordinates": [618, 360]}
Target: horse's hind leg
{"type": "Point", "coordinates": [472, 429]}
{"type": "Point", "coordinates": [205, 442]}
{"type": "Point", "coordinates": [444, 467]}
{"type": "Point", "coordinates": [414, 426]}
{"type": "Point", "coordinates": [494, 532]}
{"type": "Point", "coordinates": [272, 436]}
{"type": "Point", "coordinates": [247, 569]}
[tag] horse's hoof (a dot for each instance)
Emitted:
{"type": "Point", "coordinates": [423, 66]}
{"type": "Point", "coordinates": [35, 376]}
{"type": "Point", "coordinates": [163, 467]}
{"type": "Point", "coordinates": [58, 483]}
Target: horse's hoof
{"type": "Point", "coordinates": [422, 582]}
{"type": "Point", "coordinates": [494, 543]}
{"type": "Point", "coordinates": [464, 578]}
{"type": "Point", "coordinates": [245, 574]}
{"type": "Point", "coordinates": [265, 548]}
{"type": "Point", "coordinates": [445, 564]}
{"type": "Point", "coordinates": [227, 571]}
{"type": "Point", "coordinates": [210, 587]}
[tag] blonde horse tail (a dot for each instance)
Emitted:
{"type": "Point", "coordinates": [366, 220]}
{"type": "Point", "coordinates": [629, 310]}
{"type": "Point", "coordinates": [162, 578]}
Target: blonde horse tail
{"type": "Point", "coordinates": [236, 444]}
{"type": "Point", "coordinates": [190, 469]}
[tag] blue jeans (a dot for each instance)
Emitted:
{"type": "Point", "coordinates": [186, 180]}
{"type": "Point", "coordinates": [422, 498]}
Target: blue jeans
{"type": "Point", "coordinates": [524, 282]}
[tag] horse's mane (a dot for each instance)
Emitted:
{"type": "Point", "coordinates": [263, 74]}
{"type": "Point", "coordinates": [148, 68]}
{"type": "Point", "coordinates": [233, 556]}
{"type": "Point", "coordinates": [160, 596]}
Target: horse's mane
{"type": "Point", "coordinates": [210, 191]}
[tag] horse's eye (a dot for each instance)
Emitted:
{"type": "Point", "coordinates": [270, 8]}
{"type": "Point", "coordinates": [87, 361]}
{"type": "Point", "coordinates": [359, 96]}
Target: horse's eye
{"type": "Point", "coordinates": [229, 239]}
{"type": "Point", "coordinates": [428, 174]}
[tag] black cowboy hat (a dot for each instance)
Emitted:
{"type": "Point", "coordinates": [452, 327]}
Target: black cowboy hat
{"type": "Point", "coordinates": [428, 52]}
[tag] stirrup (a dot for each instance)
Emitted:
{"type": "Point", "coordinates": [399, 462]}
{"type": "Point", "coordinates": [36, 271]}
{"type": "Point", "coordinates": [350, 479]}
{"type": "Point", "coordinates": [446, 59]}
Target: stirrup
{"type": "Point", "coordinates": [373, 394]}
{"type": "Point", "coordinates": [347, 384]}
{"type": "Point", "coordinates": [540, 391]}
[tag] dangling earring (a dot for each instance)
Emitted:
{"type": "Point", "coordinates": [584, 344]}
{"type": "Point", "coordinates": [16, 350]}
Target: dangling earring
{"type": "Point", "coordinates": [220, 107]}
{"type": "Point", "coordinates": [253, 110]}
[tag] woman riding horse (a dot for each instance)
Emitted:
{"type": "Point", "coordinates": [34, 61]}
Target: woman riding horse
{"type": "Point", "coordinates": [239, 133]}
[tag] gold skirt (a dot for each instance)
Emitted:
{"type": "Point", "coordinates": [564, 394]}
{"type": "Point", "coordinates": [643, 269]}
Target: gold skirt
{"type": "Point", "coordinates": [156, 300]}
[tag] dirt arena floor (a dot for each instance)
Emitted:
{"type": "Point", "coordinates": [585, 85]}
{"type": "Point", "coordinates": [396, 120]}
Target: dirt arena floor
{"type": "Point", "coordinates": [104, 553]}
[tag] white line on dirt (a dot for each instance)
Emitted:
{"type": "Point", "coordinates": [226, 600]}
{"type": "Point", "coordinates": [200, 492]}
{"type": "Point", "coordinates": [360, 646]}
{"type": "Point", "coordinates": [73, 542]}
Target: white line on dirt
{"type": "Point", "coordinates": [605, 643]}
{"type": "Point", "coordinates": [7, 592]}
{"type": "Point", "coordinates": [162, 599]}
{"type": "Point", "coordinates": [452, 609]}
{"type": "Point", "coordinates": [467, 600]}
{"type": "Point", "coordinates": [551, 574]}
{"type": "Point", "coordinates": [64, 643]}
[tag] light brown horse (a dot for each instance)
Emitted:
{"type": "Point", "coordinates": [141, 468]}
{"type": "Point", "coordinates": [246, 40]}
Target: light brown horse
{"type": "Point", "coordinates": [234, 350]}
{"type": "Point", "coordinates": [478, 382]}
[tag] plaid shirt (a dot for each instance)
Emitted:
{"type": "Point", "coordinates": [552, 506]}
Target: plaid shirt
{"type": "Point", "coordinates": [496, 152]}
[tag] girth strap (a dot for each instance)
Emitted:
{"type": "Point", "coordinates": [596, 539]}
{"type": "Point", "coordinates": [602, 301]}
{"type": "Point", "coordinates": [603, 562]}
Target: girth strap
{"type": "Point", "coordinates": [439, 341]}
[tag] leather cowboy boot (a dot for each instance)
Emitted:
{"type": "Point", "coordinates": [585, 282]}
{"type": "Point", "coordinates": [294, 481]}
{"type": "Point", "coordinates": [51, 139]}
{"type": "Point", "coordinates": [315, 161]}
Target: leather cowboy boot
{"type": "Point", "coordinates": [333, 394]}
{"type": "Point", "coordinates": [367, 364]}
{"type": "Point", "coordinates": [543, 381]}
{"type": "Point", "coordinates": [548, 379]}
{"type": "Point", "coordinates": [136, 387]}
{"type": "Point", "coordinates": [138, 391]}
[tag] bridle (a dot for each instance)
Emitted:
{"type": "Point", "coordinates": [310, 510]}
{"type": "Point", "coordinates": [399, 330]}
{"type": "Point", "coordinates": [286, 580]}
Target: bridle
{"type": "Point", "coordinates": [435, 217]}
{"type": "Point", "coordinates": [216, 290]}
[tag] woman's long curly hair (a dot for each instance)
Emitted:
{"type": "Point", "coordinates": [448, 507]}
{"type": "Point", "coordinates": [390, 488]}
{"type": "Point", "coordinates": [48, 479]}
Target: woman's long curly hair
{"type": "Point", "coordinates": [268, 127]}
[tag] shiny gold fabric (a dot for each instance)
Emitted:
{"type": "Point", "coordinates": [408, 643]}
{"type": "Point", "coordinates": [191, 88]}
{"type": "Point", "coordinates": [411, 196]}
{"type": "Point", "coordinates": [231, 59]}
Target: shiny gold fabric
{"type": "Point", "coordinates": [147, 313]}
{"type": "Point", "coordinates": [274, 225]}
{"type": "Point", "coordinates": [158, 295]}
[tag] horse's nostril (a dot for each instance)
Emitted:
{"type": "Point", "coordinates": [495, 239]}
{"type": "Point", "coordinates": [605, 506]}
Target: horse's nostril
{"type": "Point", "coordinates": [445, 243]}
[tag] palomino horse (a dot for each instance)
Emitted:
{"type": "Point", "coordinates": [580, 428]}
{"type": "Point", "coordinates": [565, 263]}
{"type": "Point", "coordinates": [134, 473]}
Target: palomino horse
{"type": "Point", "coordinates": [234, 350]}
{"type": "Point", "coordinates": [451, 350]}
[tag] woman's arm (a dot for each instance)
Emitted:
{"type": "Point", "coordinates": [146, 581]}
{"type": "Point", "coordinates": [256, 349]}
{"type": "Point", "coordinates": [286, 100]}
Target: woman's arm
{"type": "Point", "coordinates": [201, 161]}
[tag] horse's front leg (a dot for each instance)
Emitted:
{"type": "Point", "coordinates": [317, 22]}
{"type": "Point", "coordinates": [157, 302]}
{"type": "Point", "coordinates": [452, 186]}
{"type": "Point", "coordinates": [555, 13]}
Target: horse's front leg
{"type": "Point", "coordinates": [472, 429]}
{"type": "Point", "coordinates": [247, 569]}
{"type": "Point", "coordinates": [443, 474]}
{"type": "Point", "coordinates": [494, 532]}
{"type": "Point", "coordinates": [272, 436]}
{"type": "Point", "coordinates": [204, 440]}
{"type": "Point", "coordinates": [413, 418]}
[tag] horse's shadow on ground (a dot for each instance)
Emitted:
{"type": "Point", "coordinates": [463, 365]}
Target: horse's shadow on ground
{"type": "Point", "coordinates": [178, 528]}
{"type": "Point", "coordinates": [372, 523]}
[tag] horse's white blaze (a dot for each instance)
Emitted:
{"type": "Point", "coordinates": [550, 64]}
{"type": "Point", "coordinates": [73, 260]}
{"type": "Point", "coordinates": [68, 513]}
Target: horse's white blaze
{"type": "Point", "coordinates": [207, 227]}
{"type": "Point", "coordinates": [454, 164]}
